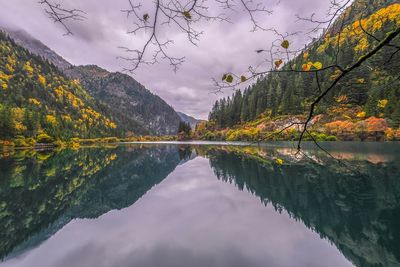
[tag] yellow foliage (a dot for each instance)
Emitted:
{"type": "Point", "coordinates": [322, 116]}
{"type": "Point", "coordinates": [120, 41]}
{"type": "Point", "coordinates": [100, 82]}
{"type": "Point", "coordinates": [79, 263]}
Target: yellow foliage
{"type": "Point", "coordinates": [18, 114]}
{"type": "Point", "coordinates": [382, 103]}
{"type": "Point", "coordinates": [76, 82]}
{"type": "Point", "coordinates": [28, 68]}
{"type": "Point", "coordinates": [11, 62]}
{"type": "Point", "coordinates": [4, 76]}
{"type": "Point", "coordinates": [42, 80]}
{"type": "Point", "coordinates": [341, 98]}
{"type": "Point", "coordinates": [307, 66]}
{"type": "Point", "coordinates": [335, 75]}
{"type": "Point", "coordinates": [361, 80]}
{"type": "Point", "coordinates": [59, 91]}
{"type": "Point", "coordinates": [19, 127]}
{"type": "Point", "coordinates": [9, 68]}
{"type": "Point", "coordinates": [347, 117]}
{"type": "Point", "coordinates": [390, 134]}
{"type": "Point", "coordinates": [112, 125]}
{"type": "Point", "coordinates": [51, 119]}
{"type": "Point", "coordinates": [355, 31]}
{"type": "Point", "coordinates": [34, 101]}
{"type": "Point", "coordinates": [66, 118]}
{"type": "Point", "coordinates": [317, 65]}
{"type": "Point", "coordinates": [362, 45]}
{"type": "Point", "coordinates": [361, 114]}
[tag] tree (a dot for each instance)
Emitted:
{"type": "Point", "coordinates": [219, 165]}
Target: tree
{"type": "Point", "coordinates": [6, 123]}
{"type": "Point", "coordinates": [359, 23]}
{"type": "Point", "coordinates": [184, 127]}
{"type": "Point", "coordinates": [184, 131]}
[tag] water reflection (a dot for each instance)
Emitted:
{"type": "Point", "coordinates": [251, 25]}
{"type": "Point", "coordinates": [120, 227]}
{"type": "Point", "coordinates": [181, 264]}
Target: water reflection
{"type": "Point", "coordinates": [358, 211]}
{"type": "Point", "coordinates": [194, 219]}
{"type": "Point", "coordinates": [40, 192]}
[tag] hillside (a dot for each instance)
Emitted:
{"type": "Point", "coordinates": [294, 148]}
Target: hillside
{"type": "Point", "coordinates": [129, 103]}
{"type": "Point", "coordinates": [370, 93]}
{"type": "Point", "coordinates": [37, 100]}
{"type": "Point", "coordinates": [133, 108]}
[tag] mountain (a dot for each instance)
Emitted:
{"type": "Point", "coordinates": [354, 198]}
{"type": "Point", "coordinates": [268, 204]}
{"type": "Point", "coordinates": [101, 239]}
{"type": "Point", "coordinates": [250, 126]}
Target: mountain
{"type": "Point", "coordinates": [38, 100]}
{"type": "Point", "coordinates": [133, 108]}
{"type": "Point", "coordinates": [129, 103]}
{"type": "Point", "coordinates": [188, 119]}
{"type": "Point", "coordinates": [368, 92]}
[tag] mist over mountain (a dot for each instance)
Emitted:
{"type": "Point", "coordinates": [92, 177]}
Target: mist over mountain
{"type": "Point", "coordinates": [188, 119]}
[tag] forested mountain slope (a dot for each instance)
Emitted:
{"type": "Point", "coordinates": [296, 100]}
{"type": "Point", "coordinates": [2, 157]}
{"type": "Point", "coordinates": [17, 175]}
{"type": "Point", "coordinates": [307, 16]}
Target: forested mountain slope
{"type": "Point", "coordinates": [36, 99]}
{"type": "Point", "coordinates": [133, 108]}
{"type": "Point", "coordinates": [129, 103]}
{"type": "Point", "coordinates": [371, 91]}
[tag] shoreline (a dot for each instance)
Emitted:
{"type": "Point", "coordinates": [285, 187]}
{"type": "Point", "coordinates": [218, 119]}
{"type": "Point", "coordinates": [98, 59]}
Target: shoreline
{"type": "Point", "coordinates": [50, 147]}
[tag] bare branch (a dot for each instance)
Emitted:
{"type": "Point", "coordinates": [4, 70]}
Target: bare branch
{"type": "Point", "coordinates": [61, 15]}
{"type": "Point", "coordinates": [183, 16]}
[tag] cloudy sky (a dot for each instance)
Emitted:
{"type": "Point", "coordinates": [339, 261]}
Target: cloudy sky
{"type": "Point", "coordinates": [224, 47]}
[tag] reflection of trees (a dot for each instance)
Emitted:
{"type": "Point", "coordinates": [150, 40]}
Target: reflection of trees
{"type": "Point", "coordinates": [185, 152]}
{"type": "Point", "coordinates": [41, 192]}
{"type": "Point", "coordinates": [360, 214]}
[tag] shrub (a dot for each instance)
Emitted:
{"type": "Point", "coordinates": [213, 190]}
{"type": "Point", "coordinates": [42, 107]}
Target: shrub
{"type": "Point", "coordinates": [209, 136]}
{"type": "Point", "coordinates": [323, 137]}
{"type": "Point", "coordinates": [30, 141]}
{"type": "Point", "coordinates": [44, 138]}
{"type": "Point", "coordinates": [20, 141]}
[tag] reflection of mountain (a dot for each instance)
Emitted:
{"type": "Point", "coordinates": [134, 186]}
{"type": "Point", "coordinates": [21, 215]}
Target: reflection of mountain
{"type": "Point", "coordinates": [360, 214]}
{"type": "Point", "coordinates": [41, 196]}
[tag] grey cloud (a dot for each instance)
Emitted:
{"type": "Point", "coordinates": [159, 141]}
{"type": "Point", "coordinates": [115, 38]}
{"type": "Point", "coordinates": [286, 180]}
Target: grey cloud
{"type": "Point", "coordinates": [223, 47]}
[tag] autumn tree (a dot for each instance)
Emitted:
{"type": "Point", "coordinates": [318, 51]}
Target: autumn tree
{"type": "Point", "coordinates": [353, 34]}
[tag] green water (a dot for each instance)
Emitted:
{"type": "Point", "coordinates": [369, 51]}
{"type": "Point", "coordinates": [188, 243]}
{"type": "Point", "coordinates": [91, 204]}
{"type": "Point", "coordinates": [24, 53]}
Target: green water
{"type": "Point", "coordinates": [201, 205]}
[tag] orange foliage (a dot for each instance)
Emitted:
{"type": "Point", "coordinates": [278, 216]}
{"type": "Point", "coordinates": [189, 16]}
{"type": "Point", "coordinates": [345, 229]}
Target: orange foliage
{"type": "Point", "coordinates": [374, 124]}
{"type": "Point", "coordinates": [392, 134]}
{"type": "Point", "coordinates": [336, 127]}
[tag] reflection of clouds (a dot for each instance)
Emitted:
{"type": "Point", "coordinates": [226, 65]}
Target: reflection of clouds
{"type": "Point", "coordinates": [189, 219]}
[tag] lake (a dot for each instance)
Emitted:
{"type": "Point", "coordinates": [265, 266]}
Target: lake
{"type": "Point", "coordinates": [201, 204]}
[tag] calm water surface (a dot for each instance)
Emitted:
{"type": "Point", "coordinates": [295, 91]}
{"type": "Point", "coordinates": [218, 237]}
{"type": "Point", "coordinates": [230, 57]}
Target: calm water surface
{"type": "Point", "coordinates": [191, 204]}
